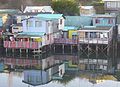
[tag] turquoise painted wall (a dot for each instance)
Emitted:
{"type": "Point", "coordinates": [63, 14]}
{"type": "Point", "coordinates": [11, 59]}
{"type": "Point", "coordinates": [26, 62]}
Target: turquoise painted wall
{"type": "Point", "coordinates": [104, 22]}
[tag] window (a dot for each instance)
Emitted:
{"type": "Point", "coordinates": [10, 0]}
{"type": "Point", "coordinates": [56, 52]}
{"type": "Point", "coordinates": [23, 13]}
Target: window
{"type": "Point", "coordinates": [37, 79]}
{"type": "Point", "coordinates": [47, 37]}
{"type": "Point", "coordinates": [110, 21]}
{"type": "Point", "coordinates": [113, 4]}
{"type": "Point", "coordinates": [57, 25]}
{"type": "Point", "coordinates": [15, 28]}
{"type": "Point", "coordinates": [86, 35]}
{"type": "Point", "coordinates": [108, 4]}
{"type": "Point", "coordinates": [118, 4]}
{"type": "Point", "coordinates": [74, 37]}
{"type": "Point", "coordinates": [48, 24]}
{"type": "Point", "coordinates": [60, 21]}
{"type": "Point", "coordinates": [38, 23]}
{"type": "Point", "coordinates": [30, 11]}
{"type": "Point", "coordinates": [97, 21]}
{"type": "Point", "coordinates": [29, 23]}
{"type": "Point", "coordinates": [93, 35]}
{"type": "Point", "coordinates": [105, 35]}
{"type": "Point", "coordinates": [36, 10]}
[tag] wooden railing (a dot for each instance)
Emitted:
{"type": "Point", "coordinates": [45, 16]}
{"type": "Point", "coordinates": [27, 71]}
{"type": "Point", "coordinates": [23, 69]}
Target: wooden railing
{"type": "Point", "coordinates": [21, 61]}
{"type": "Point", "coordinates": [65, 41]}
{"type": "Point", "coordinates": [94, 40]}
{"type": "Point", "coordinates": [22, 45]}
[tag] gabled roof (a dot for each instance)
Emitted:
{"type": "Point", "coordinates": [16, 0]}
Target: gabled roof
{"type": "Point", "coordinates": [40, 8]}
{"type": "Point", "coordinates": [78, 21]}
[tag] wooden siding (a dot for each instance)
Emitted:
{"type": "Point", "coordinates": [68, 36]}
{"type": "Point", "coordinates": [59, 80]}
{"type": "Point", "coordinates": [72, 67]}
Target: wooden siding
{"type": "Point", "coordinates": [81, 34]}
{"type": "Point", "coordinates": [65, 41]}
{"type": "Point", "coordinates": [22, 45]}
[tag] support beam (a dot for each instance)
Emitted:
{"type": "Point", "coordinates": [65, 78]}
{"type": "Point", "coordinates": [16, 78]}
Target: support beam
{"type": "Point", "coordinates": [6, 50]}
{"type": "Point", "coordinates": [71, 49]}
{"type": "Point", "coordinates": [54, 48]}
{"type": "Point", "coordinates": [97, 55]}
{"type": "Point", "coordinates": [63, 48]}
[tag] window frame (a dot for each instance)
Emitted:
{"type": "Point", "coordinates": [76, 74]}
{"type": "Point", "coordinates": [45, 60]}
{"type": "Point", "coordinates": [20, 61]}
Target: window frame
{"type": "Point", "coordinates": [38, 23]}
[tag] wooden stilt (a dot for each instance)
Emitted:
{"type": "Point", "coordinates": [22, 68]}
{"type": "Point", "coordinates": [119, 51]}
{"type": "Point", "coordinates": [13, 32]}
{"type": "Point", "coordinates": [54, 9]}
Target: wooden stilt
{"type": "Point", "coordinates": [54, 48]}
{"type": "Point", "coordinates": [63, 48]}
{"type": "Point", "coordinates": [71, 49]}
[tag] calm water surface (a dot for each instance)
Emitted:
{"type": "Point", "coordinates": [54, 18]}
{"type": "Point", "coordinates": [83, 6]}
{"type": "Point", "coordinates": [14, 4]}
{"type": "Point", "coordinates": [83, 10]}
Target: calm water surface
{"type": "Point", "coordinates": [16, 78]}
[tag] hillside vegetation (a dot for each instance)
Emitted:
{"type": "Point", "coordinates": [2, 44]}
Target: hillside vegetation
{"type": "Point", "coordinates": [18, 3]}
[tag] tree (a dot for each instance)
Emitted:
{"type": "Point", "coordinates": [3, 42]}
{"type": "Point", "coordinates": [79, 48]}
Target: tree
{"type": "Point", "coordinates": [66, 7]}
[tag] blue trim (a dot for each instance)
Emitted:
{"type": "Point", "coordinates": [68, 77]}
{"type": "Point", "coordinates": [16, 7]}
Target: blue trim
{"type": "Point", "coordinates": [66, 28]}
{"type": "Point", "coordinates": [33, 33]}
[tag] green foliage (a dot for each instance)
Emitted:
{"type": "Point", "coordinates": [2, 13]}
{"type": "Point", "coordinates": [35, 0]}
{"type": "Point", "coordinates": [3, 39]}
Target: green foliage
{"type": "Point", "coordinates": [117, 75]}
{"type": "Point", "coordinates": [66, 7]}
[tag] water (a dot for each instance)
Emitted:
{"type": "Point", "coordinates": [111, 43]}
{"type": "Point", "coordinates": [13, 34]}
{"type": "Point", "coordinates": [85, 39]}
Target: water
{"type": "Point", "coordinates": [15, 80]}
{"type": "Point", "coordinates": [52, 71]}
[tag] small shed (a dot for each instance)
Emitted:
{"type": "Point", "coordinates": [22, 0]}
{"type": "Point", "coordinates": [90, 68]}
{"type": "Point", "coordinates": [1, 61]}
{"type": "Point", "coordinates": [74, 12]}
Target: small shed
{"type": "Point", "coordinates": [87, 10]}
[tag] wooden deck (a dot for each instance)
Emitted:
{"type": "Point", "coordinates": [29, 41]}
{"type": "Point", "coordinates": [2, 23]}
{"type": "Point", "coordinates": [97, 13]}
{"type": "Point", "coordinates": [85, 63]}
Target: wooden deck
{"type": "Point", "coordinates": [22, 45]}
{"type": "Point", "coordinates": [94, 40]}
{"type": "Point", "coordinates": [65, 41]}
{"type": "Point", "coordinates": [20, 61]}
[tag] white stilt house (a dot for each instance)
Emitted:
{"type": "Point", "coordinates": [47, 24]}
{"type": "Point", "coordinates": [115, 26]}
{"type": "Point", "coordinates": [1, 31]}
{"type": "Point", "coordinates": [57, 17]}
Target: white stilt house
{"type": "Point", "coordinates": [95, 35]}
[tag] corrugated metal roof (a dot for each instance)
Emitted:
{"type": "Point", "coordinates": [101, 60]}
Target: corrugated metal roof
{"type": "Point", "coordinates": [11, 11]}
{"type": "Point", "coordinates": [47, 16]}
{"type": "Point", "coordinates": [50, 16]}
{"type": "Point", "coordinates": [66, 28]}
{"type": "Point", "coordinates": [32, 33]}
{"type": "Point", "coordinates": [96, 28]}
{"type": "Point", "coordinates": [104, 15]}
{"type": "Point", "coordinates": [78, 21]}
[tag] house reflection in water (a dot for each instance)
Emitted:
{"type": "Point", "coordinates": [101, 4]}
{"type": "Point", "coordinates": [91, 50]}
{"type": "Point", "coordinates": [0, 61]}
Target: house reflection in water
{"type": "Point", "coordinates": [40, 77]}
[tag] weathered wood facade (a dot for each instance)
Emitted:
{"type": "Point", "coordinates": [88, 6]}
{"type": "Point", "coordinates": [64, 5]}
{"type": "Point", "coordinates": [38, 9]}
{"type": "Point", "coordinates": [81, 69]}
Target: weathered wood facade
{"type": "Point", "coordinates": [95, 43]}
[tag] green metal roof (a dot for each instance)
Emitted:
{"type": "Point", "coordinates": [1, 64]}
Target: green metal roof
{"type": "Point", "coordinates": [50, 16]}
{"type": "Point", "coordinates": [78, 21]}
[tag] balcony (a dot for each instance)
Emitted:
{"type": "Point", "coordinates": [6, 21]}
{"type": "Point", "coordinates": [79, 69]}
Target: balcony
{"type": "Point", "coordinates": [94, 40]}
{"type": "Point", "coordinates": [22, 45]}
{"type": "Point", "coordinates": [65, 41]}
